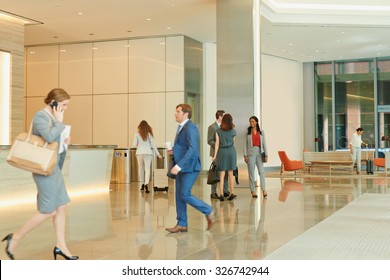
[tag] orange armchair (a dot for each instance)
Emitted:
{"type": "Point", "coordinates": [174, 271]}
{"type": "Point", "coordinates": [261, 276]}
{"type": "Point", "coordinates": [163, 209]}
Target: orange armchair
{"type": "Point", "coordinates": [289, 165]}
{"type": "Point", "coordinates": [380, 162]}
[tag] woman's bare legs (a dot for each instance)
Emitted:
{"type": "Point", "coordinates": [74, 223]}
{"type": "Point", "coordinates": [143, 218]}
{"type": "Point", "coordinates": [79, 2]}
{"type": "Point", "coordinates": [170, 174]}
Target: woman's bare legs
{"type": "Point", "coordinates": [36, 220]}
{"type": "Point", "coordinates": [59, 226]}
{"type": "Point", "coordinates": [221, 180]}
{"type": "Point", "coordinates": [31, 224]}
{"type": "Point", "coordinates": [231, 181]}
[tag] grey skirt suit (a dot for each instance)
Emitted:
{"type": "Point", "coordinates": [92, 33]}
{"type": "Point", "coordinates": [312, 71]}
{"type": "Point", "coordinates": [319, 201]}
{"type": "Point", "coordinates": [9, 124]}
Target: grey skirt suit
{"type": "Point", "coordinates": [51, 189]}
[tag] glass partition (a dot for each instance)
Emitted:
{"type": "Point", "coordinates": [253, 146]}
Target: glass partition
{"type": "Point", "coordinates": [354, 101]}
{"type": "Point", "coordinates": [345, 100]}
{"type": "Point", "coordinates": [383, 103]}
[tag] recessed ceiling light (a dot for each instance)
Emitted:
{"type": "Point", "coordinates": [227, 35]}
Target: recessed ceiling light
{"type": "Point", "coordinates": [291, 44]}
{"type": "Point", "coordinates": [80, 13]}
{"type": "Point", "coordinates": [169, 28]}
{"type": "Point", "coordinates": [148, 19]}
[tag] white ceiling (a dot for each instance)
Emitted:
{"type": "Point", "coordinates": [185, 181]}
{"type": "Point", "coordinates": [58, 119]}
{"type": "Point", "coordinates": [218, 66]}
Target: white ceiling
{"type": "Point", "coordinates": [302, 30]}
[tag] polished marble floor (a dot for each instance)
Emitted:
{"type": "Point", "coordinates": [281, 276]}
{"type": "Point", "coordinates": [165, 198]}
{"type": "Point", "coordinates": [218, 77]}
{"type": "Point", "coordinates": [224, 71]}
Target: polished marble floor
{"type": "Point", "coordinates": [123, 223]}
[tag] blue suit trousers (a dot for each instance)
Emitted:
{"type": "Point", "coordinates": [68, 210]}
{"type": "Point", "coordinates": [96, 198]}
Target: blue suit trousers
{"type": "Point", "coordinates": [184, 183]}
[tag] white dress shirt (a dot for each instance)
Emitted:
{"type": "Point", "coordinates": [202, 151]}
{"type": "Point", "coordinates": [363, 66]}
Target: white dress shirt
{"type": "Point", "coordinates": [356, 140]}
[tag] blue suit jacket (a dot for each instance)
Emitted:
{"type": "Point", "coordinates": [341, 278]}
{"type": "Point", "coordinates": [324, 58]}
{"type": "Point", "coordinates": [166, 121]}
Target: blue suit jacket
{"type": "Point", "coordinates": [186, 148]}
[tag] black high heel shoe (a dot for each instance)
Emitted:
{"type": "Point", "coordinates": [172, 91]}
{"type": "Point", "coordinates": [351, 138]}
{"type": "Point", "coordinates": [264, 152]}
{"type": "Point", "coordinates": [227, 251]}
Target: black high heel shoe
{"type": "Point", "coordinates": [142, 187]}
{"type": "Point", "coordinates": [57, 251]}
{"type": "Point", "coordinates": [8, 238]}
{"type": "Point", "coordinates": [265, 194]}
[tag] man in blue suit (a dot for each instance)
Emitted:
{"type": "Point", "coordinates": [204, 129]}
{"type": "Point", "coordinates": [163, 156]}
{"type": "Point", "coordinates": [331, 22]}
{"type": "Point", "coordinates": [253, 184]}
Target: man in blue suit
{"type": "Point", "coordinates": [186, 168]}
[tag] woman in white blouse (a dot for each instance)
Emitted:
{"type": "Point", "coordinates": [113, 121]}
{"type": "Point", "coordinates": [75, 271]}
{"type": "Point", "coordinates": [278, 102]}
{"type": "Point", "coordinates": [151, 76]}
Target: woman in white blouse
{"type": "Point", "coordinates": [144, 142]}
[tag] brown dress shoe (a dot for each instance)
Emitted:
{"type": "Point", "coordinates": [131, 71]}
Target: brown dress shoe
{"type": "Point", "coordinates": [177, 229]}
{"type": "Point", "coordinates": [210, 220]}
{"type": "Point", "coordinates": [214, 196]}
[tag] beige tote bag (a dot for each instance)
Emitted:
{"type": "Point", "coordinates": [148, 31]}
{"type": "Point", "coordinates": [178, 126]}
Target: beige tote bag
{"type": "Point", "coordinates": [32, 153]}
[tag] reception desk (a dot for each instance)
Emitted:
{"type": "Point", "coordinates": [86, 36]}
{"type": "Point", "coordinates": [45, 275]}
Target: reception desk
{"type": "Point", "coordinates": [85, 166]}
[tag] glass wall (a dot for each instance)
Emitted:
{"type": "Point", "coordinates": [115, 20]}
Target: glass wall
{"type": "Point", "coordinates": [324, 100]}
{"type": "Point", "coordinates": [383, 69]}
{"type": "Point", "coordinates": [348, 96]}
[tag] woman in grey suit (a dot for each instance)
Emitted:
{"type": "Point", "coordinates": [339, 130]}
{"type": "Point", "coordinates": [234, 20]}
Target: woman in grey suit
{"type": "Point", "coordinates": [255, 154]}
{"type": "Point", "coordinates": [52, 196]}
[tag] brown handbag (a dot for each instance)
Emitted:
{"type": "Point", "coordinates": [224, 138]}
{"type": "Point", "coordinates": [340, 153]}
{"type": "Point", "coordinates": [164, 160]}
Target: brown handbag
{"type": "Point", "coordinates": [32, 153]}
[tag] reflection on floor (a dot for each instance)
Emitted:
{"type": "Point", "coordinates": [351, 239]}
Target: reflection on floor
{"type": "Point", "coordinates": [125, 223]}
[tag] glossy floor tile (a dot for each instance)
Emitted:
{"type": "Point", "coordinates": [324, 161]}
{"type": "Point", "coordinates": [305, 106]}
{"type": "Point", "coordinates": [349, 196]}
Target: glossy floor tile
{"type": "Point", "coordinates": [125, 223]}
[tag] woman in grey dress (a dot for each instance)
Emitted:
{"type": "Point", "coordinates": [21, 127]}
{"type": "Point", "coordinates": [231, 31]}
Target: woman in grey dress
{"type": "Point", "coordinates": [225, 154]}
{"type": "Point", "coordinates": [52, 196]}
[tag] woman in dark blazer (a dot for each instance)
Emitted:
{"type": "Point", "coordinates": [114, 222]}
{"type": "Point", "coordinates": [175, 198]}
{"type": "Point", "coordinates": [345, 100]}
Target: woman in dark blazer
{"type": "Point", "coordinates": [255, 154]}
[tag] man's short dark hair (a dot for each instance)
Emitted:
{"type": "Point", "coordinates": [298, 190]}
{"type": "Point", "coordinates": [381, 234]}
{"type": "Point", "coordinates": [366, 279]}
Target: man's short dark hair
{"type": "Point", "coordinates": [359, 129]}
{"type": "Point", "coordinates": [219, 113]}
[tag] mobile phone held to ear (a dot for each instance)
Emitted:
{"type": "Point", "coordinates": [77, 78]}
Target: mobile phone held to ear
{"type": "Point", "coordinates": [53, 104]}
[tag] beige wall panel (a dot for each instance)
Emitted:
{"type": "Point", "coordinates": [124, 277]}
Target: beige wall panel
{"type": "Point", "coordinates": [79, 116]}
{"type": "Point", "coordinates": [76, 68]}
{"type": "Point", "coordinates": [33, 105]}
{"type": "Point", "coordinates": [172, 100]}
{"type": "Point", "coordinates": [175, 63]}
{"type": "Point", "coordinates": [110, 120]}
{"type": "Point", "coordinates": [110, 67]}
{"type": "Point", "coordinates": [147, 65]}
{"type": "Point", "coordinates": [41, 69]}
{"type": "Point", "coordinates": [151, 108]}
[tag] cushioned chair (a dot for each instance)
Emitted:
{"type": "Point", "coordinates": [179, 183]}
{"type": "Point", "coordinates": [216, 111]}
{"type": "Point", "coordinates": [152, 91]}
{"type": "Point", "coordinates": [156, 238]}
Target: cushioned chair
{"type": "Point", "coordinates": [289, 186]}
{"type": "Point", "coordinates": [379, 162]}
{"type": "Point", "coordinates": [289, 165]}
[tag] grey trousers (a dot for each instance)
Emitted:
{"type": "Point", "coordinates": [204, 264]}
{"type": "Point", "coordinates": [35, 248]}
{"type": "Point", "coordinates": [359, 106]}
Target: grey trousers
{"type": "Point", "coordinates": [255, 160]}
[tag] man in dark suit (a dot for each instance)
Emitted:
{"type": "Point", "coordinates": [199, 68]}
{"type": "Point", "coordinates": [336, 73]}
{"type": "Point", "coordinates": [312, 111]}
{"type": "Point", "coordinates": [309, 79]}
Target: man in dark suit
{"type": "Point", "coordinates": [186, 168]}
{"type": "Point", "coordinates": [211, 141]}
